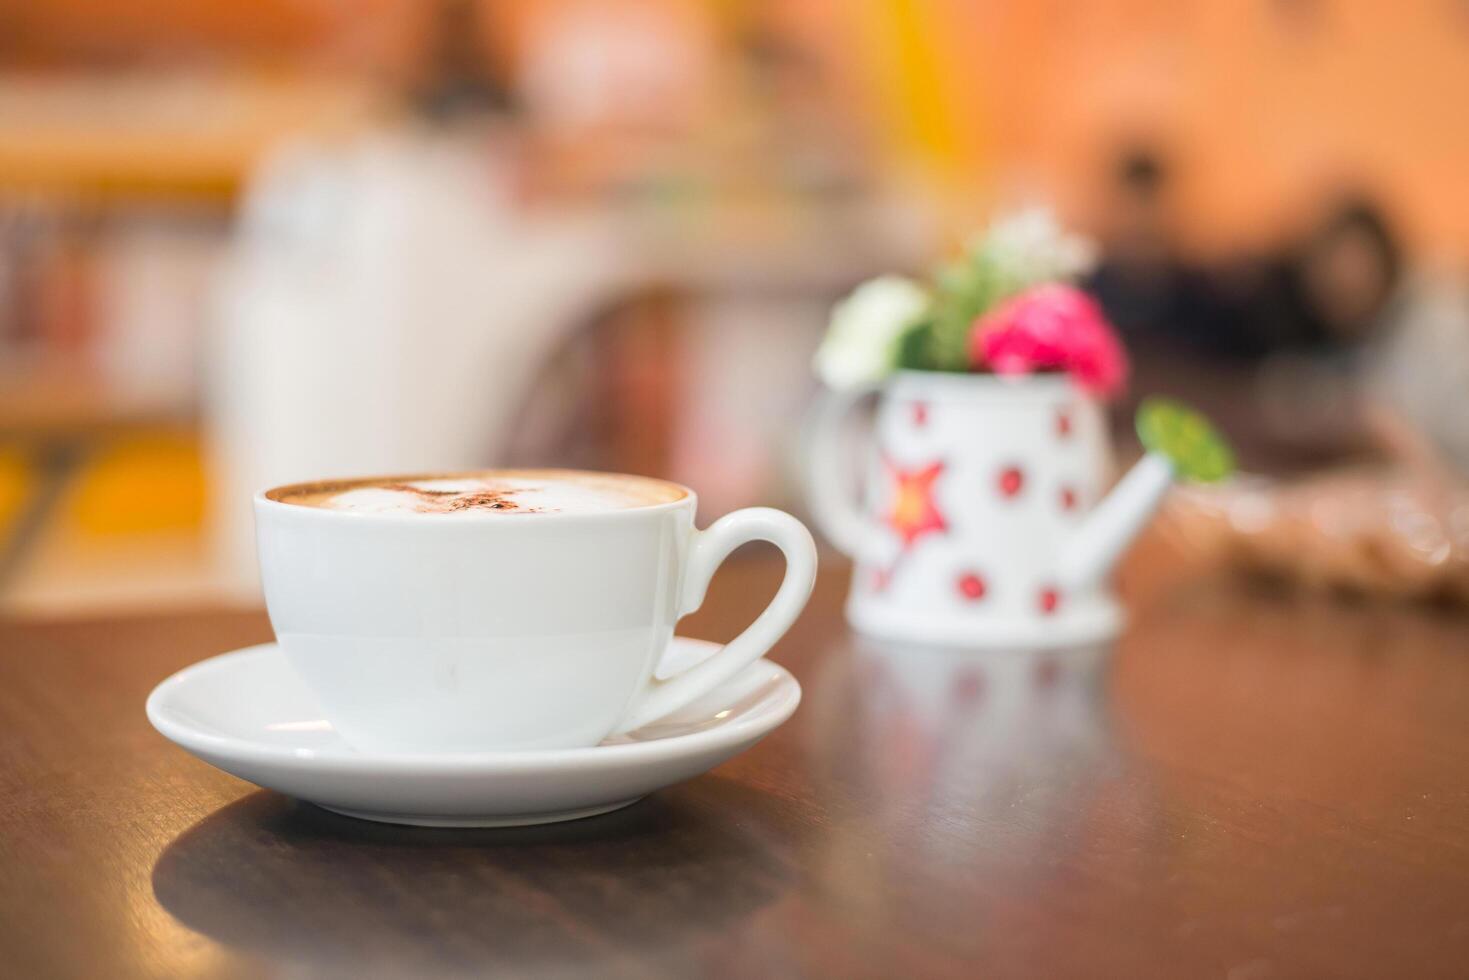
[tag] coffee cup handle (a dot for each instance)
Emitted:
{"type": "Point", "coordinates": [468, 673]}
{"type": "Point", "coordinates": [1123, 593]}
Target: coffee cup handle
{"type": "Point", "coordinates": [706, 553]}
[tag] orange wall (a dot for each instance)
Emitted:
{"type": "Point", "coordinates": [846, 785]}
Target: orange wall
{"type": "Point", "coordinates": [1262, 104]}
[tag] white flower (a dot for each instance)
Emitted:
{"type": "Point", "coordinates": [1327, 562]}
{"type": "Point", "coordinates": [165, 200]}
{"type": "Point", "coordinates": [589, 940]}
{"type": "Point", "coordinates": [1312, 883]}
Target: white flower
{"type": "Point", "coordinates": [861, 343]}
{"type": "Point", "coordinates": [1029, 247]}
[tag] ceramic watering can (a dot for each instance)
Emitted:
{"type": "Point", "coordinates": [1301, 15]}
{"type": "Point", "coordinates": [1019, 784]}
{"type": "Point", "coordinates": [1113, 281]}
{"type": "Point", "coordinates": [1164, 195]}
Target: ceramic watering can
{"type": "Point", "coordinates": [984, 520]}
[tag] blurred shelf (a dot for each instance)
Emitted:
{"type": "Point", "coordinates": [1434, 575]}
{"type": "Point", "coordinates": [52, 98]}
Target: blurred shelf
{"type": "Point", "coordinates": [65, 401]}
{"type": "Point", "coordinates": [170, 135]}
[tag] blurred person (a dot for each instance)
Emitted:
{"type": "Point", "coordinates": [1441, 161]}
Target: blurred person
{"type": "Point", "coordinates": [1185, 324]}
{"type": "Point", "coordinates": [1365, 350]}
{"type": "Point", "coordinates": [1326, 347]}
{"type": "Point", "coordinates": [1136, 280]}
{"type": "Point", "coordinates": [1143, 281]}
{"type": "Point", "coordinates": [1329, 290]}
{"type": "Point", "coordinates": [1367, 362]}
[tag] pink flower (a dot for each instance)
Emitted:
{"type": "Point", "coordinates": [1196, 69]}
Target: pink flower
{"type": "Point", "coordinates": [1051, 327]}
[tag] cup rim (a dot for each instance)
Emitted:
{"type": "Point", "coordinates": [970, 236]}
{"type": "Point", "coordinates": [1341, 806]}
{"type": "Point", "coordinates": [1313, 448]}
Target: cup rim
{"type": "Point", "coordinates": [973, 385]}
{"type": "Point", "coordinates": [267, 499]}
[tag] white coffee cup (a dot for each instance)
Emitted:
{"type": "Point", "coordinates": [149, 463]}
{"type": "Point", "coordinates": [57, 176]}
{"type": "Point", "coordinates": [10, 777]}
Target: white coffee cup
{"type": "Point", "coordinates": [487, 631]}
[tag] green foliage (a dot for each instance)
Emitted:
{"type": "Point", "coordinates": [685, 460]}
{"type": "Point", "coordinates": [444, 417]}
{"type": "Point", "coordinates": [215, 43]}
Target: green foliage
{"type": "Point", "coordinates": [963, 291]}
{"type": "Point", "coordinates": [912, 352]}
{"type": "Point", "coordinates": [1014, 253]}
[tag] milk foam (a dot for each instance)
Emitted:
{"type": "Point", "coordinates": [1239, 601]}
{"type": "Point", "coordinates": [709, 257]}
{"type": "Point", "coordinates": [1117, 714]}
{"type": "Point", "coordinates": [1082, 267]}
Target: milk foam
{"type": "Point", "coordinates": [486, 495]}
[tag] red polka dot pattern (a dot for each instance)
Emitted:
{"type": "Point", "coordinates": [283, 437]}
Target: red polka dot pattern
{"type": "Point", "coordinates": [1050, 600]}
{"type": "Point", "coordinates": [1068, 498]}
{"type": "Point", "coordinates": [920, 414]}
{"type": "Point", "coordinates": [1063, 424]}
{"type": "Point", "coordinates": [971, 586]}
{"type": "Point", "coordinates": [1012, 481]}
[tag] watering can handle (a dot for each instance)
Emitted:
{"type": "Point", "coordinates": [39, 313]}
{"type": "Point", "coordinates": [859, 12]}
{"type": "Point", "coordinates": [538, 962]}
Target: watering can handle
{"type": "Point", "coordinates": [835, 506]}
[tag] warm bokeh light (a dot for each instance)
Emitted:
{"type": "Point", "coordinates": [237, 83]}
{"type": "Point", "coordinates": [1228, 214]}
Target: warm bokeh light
{"type": "Point", "coordinates": [246, 243]}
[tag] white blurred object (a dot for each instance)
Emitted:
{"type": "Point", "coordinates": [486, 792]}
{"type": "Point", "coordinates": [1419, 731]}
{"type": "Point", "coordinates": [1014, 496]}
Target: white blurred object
{"type": "Point", "coordinates": [384, 309]}
{"type": "Point", "coordinates": [746, 365]}
{"type": "Point", "coordinates": [1421, 367]}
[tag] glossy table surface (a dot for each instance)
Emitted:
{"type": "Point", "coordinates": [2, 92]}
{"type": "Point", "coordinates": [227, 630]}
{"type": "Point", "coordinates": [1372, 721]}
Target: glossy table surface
{"type": "Point", "coordinates": [1246, 786]}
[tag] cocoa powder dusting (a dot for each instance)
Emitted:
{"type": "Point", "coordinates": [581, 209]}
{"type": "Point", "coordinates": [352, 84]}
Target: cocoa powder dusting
{"type": "Point", "coordinates": [409, 488]}
{"type": "Point", "coordinates": [487, 499]}
{"type": "Point", "coordinates": [452, 501]}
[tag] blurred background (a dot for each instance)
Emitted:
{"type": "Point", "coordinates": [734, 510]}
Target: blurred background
{"type": "Point", "coordinates": [248, 243]}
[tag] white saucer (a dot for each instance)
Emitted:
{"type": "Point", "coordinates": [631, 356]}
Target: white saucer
{"type": "Point", "coordinates": [247, 713]}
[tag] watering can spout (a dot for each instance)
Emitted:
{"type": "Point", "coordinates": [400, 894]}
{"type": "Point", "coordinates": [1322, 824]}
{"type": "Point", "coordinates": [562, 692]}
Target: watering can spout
{"type": "Point", "coordinates": [1179, 443]}
{"type": "Point", "coordinates": [1114, 523]}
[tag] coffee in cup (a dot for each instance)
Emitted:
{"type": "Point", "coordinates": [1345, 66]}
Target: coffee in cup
{"type": "Point", "coordinates": [497, 491]}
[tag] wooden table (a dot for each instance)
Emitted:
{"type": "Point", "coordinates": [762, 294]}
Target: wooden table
{"type": "Point", "coordinates": [1256, 787]}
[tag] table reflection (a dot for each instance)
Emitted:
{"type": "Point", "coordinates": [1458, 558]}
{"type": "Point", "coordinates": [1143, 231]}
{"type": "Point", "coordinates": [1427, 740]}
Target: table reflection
{"type": "Point", "coordinates": [992, 762]}
{"type": "Point", "coordinates": [927, 729]}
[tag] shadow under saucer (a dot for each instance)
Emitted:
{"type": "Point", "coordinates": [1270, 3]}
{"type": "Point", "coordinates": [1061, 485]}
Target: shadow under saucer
{"type": "Point", "coordinates": [282, 879]}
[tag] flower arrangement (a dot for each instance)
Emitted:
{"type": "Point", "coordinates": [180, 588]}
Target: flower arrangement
{"type": "Point", "coordinates": [1006, 306]}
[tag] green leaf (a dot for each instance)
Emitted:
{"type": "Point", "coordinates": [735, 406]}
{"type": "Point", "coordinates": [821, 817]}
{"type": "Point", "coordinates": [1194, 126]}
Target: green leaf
{"type": "Point", "coordinates": [913, 344]}
{"type": "Point", "coordinates": [1197, 451]}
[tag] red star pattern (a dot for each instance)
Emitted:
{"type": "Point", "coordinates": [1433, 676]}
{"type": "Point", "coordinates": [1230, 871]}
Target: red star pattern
{"type": "Point", "coordinates": [914, 513]}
